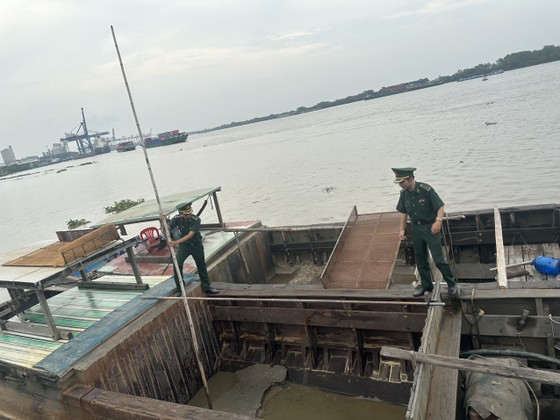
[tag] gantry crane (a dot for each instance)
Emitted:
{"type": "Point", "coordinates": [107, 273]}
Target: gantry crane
{"type": "Point", "coordinates": [83, 137]}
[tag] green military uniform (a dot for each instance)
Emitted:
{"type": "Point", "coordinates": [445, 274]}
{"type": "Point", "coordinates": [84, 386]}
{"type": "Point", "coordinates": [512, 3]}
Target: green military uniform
{"type": "Point", "coordinates": [421, 205]}
{"type": "Point", "coordinates": [192, 247]}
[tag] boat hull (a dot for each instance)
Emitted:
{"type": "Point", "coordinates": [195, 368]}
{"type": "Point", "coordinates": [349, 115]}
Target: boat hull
{"type": "Point", "coordinates": [180, 138]}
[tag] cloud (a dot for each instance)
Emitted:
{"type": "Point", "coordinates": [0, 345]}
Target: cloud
{"type": "Point", "coordinates": [291, 35]}
{"type": "Point", "coordinates": [435, 7]}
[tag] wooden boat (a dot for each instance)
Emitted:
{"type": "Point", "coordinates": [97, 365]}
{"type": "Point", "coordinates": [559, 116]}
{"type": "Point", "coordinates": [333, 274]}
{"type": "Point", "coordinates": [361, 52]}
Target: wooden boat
{"type": "Point", "coordinates": [166, 138]}
{"type": "Point", "coordinates": [126, 146]}
{"type": "Point", "coordinates": [358, 331]}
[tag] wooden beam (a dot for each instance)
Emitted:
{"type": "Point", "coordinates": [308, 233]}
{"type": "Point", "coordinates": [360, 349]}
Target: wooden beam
{"type": "Point", "coordinates": [112, 285]}
{"type": "Point", "coordinates": [490, 367]}
{"type": "Point", "coordinates": [500, 254]}
{"type": "Point", "coordinates": [443, 387]}
{"type": "Point", "coordinates": [48, 316]}
{"type": "Point", "coordinates": [360, 358]}
{"type": "Point", "coordinates": [34, 329]}
{"type": "Point", "coordinates": [134, 266]}
{"type": "Point", "coordinates": [365, 320]}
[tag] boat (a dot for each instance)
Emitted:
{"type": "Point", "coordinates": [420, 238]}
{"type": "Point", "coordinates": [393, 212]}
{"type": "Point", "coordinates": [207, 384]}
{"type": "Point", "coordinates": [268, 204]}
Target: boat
{"type": "Point", "coordinates": [121, 343]}
{"type": "Point", "coordinates": [101, 146]}
{"type": "Point", "coordinates": [126, 146]}
{"type": "Point", "coordinates": [166, 138]}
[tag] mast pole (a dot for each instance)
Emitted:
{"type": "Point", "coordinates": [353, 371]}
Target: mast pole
{"type": "Point", "coordinates": [166, 230]}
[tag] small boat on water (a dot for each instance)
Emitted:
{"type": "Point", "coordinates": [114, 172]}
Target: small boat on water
{"type": "Point", "coordinates": [126, 146]}
{"type": "Point", "coordinates": [165, 139]}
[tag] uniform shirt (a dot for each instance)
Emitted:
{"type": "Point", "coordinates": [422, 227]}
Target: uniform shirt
{"type": "Point", "coordinates": [421, 204]}
{"type": "Point", "coordinates": [192, 224]}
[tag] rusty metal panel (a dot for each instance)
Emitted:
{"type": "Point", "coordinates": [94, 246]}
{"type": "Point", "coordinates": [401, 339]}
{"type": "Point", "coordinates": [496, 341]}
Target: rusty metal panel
{"type": "Point", "coordinates": [365, 254]}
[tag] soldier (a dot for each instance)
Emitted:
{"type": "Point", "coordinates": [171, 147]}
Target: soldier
{"type": "Point", "coordinates": [423, 205]}
{"type": "Point", "coordinates": [190, 243]}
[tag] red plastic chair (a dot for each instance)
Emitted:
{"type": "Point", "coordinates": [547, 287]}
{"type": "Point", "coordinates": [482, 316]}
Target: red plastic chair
{"type": "Point", "coordinates": [151, 238]}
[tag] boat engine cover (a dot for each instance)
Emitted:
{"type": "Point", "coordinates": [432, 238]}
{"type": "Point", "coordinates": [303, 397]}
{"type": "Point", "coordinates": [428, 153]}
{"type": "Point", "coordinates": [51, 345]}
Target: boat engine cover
{"type": "Point", "coordinates": [488, 394]}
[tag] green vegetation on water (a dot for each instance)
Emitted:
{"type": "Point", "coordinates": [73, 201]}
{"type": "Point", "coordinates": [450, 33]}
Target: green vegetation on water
{"type": "Point", "coordinates": [118, 206]}
{"type": "Point", "coordinates": [122, 205]}
{"type": "Point", "coordinates": [75, 223]}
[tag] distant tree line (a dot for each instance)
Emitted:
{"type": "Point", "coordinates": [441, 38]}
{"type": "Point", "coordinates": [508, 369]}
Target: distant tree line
{"type": "Point", "coordinates": [513, 61]}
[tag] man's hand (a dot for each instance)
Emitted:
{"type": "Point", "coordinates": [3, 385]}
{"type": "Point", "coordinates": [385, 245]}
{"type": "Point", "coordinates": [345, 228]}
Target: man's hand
{"type": "Point", "coordinates": [402, 236]}
{"type": "Point", "coordinates": [172, 243]}
{"type": "Point", "coordinates": [436, 227]}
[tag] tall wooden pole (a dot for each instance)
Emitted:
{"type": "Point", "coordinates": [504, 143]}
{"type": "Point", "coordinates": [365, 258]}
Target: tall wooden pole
{"type": "Point", "coordinates": [166, 232]}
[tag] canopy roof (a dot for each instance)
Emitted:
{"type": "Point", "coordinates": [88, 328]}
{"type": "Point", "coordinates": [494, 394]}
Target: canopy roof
{"type": "Point", "coordinates": [149, 209]}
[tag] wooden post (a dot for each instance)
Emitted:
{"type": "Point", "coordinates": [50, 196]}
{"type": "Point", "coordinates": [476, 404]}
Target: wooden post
{"type": "Point", "coordinates": [218, 211]}
{"type": "Point", "coordinates": [492, 368]}
{"type": "Point", "coordinates": [48, 315]}
{"type": "Point", "coordinates": [133, 264]}
{"type": "Point", "coordinates": [500, 254]}
{"type": "Point", "coordinates": [167, 233]}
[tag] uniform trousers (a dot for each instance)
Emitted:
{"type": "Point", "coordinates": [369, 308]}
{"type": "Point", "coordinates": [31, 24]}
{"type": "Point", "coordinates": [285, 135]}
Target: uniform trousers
{"type": "Point", "coordinates": [197, 253]}
{"type": "Point", "coordinates": [423, 240]}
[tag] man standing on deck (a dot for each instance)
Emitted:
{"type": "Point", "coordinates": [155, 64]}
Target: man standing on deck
{"type": "Point", "coordinates": [190, 243]}
{"type": "Point", "coordinates": [423, 205]}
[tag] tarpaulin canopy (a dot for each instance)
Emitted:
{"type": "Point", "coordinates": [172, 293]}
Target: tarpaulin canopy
{"type": "Point", "coordinates": [149, 209]}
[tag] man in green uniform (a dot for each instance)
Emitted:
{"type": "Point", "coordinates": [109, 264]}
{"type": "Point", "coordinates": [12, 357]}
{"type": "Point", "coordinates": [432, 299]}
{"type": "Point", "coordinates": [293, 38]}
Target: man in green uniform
{"type": "Point", "coordinates": [189, 240]}
{"type": "Point", "coordinates": [423, 205]}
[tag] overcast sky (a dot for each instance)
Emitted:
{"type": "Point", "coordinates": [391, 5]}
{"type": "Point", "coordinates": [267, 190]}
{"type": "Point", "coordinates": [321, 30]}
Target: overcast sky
{"type": "Point", "coordinates": [194, 64]}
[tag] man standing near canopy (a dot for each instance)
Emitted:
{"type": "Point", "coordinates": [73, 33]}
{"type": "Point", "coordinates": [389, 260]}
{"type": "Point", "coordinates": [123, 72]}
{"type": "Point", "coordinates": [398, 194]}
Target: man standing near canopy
{"type": "Point", "coordinates": [189, 241]}
{"type": "Point", "coordinates": [422, 204]}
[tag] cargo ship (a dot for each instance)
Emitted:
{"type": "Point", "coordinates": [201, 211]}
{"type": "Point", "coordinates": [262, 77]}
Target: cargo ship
{"type": "Point", "coordinates": [165, 139]}
{"type": "Point", "coordinates": [126, 146]}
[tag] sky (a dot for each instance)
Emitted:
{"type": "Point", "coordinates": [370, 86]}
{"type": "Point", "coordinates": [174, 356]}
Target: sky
{"type": "Point", "coordinates": [195, 64]}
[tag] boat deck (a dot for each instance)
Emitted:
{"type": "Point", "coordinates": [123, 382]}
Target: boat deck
{"type": "Point", "coordinates": [74, 310]}
{"type": "Point", "coordinates": [77, 309]}
{"type": "Point", "coordinates": [158, 261]}
{"type": "Point", "coordinates": [365, 254]}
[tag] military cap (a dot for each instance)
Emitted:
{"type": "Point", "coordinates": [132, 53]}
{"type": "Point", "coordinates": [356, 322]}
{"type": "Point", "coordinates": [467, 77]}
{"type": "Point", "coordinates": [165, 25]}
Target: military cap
{"type": "Point", "coordinates": [402, 173]}
{"type": "Point", "coordinates": [184, 208]}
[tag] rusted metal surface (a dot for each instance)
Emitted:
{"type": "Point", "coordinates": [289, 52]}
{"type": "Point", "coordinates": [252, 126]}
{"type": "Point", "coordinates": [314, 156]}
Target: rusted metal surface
{"type": "Point", "coordinates": [366, 253]}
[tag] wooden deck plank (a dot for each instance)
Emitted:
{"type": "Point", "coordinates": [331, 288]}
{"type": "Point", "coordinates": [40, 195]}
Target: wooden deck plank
{"type": "Point", "coordinates": [443, 388]}
{"type": "Point", "coordinates": [500, 253]}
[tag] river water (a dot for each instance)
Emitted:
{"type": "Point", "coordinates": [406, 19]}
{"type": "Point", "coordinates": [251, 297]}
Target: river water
{"type": "Point", "coordinates": [315, 167]}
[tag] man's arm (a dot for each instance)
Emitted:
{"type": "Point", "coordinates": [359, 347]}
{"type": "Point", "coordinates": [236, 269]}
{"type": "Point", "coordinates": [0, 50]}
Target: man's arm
{"type": "Point", "coordinates": [403, 224]}
{"type": "Point", "coordinates": [436, 227]}
{"type": "Point", "coordinates": [185, 238]}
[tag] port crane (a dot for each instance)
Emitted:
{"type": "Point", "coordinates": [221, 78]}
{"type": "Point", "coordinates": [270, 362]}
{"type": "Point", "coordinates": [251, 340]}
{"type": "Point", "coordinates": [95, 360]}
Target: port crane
{"type": "Point", "coordinates": [83, 137]}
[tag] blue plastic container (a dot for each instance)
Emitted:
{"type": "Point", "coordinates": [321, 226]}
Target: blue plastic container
{"type": "Point", "coordinates": [547, 265]}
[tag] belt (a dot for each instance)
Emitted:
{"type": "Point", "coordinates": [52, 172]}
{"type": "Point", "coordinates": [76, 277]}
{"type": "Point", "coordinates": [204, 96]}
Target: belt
{"type": "Point", "coordinates": [422, 222]}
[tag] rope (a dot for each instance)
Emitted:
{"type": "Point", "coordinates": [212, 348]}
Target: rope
{"type": "Point", "coordinates": [202, 208]}
{"type": "Point", "coordinates": [450, 244]}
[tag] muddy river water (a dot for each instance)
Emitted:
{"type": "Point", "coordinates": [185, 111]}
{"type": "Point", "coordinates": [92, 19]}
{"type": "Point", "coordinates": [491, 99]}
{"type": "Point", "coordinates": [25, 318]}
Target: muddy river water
{"type": "Point", "coordinates": [269, 396]}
